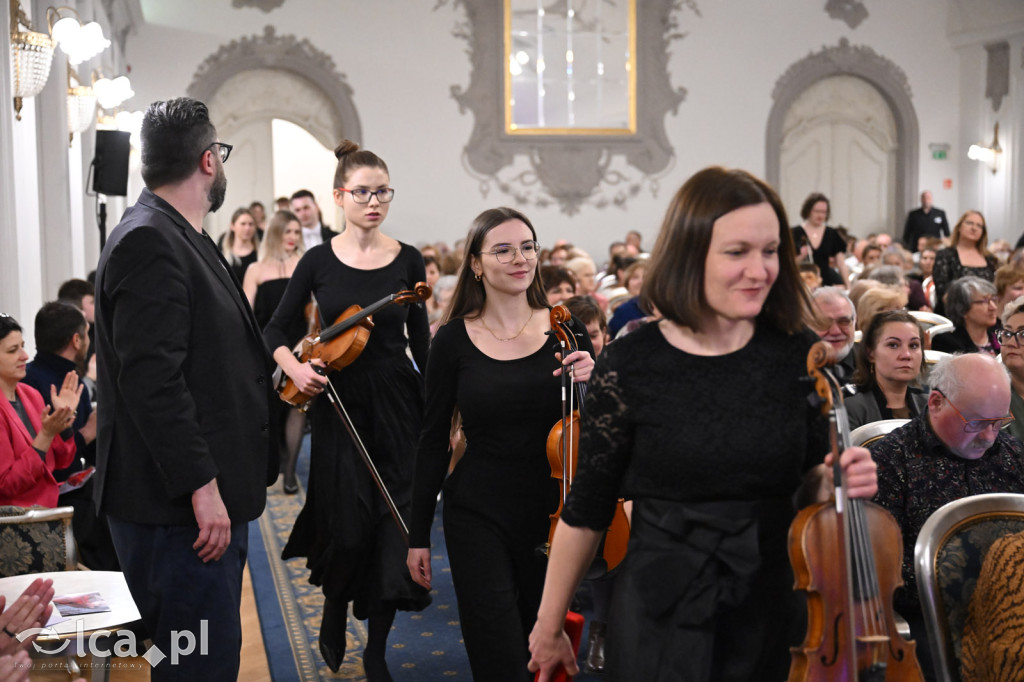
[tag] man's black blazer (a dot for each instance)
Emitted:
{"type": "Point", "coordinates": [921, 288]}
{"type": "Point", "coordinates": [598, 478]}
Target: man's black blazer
{"type": "Point", "coordinates": [183, 375]}
{"type": "Point", "coordinates": [326, 233]}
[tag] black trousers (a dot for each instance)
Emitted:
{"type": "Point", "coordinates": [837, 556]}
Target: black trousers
{"type": "Point", "coordinates": [178, 595]}
{"type": "Point", "coordinates": [498, 576]}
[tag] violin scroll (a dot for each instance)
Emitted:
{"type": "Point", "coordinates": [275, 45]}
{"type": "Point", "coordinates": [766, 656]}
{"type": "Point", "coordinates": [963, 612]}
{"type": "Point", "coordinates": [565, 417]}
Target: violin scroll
{"type": "Point", "coordinates": [417, 294]}
{"type": "Point", "coordinates": [822, 355]}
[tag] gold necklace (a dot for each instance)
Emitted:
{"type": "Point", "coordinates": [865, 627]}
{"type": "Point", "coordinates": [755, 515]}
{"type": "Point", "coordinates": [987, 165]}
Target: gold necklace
{"type": "Point", "coordinates": [511, 338]}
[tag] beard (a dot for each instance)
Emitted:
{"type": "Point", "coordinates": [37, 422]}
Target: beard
{"type": "Point", "coordinates": [218, 189]}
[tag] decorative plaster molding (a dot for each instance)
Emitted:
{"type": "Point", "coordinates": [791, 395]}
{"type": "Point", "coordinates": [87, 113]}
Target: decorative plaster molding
{"type": "Point", "coordinates": [570, 170]}
{"type": "Point", "coordinates": [287, 53]}
{"type": "Point", "coordinates": [843, 58]}
{"type": "Point", "coordinates": [997, 73]}
{"type": "Point", "coordinates": [852, 12]}
{"type": "Point", "coordinates": [266, 5]}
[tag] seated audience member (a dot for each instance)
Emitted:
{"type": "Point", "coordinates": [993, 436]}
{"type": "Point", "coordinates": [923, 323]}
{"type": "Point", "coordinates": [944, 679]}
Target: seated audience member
{"type": "Point", "coordinates": [925, 266]}
{"type": "Point", "coordinates": [870, 257]}
{"type": "Point", "coordinates": [632, 280]}
{"type": "Point", "coordinates": [442, 294]}
{"type": "Point", "coordinates": [837, 310]}
{"type": "Point", "coordinates": [955, 449]}
{"type": "Point", "coordinates": [35, 440]}
{"type": "Point", "coordinates": [1011, 338]}
{"type": "Point", "coordinates": [1002, 250]}
{"type": "Point", "coordinates": [559, 283]}
{"type": "Point", "coordinates": [878, 299]}
{"type": "Point", "coordinates": [894, 276]}
{"type": "Point", "coordinates": [616, 276]}
{"type": "Point", "coordinates": [61, 343]}
{"type": "Point", "coordinates": [589, 312]}
{"type": "Point", "coordinates": [559, 255]}
{"type": "Point", "coordinates": [971, 305]}
{"type": "Point", "coordinates": [259, 216]}
{"type": "Point", "coordinates": [434, 309]}
{"type": "Point", "coordinates": [81, 294]}
{"type": "Point", "coordinates": [811, 275]}
{"type": "Point", "coordinates": [1009, 283]}
{"type": "Point", "coordinates": [31, 610]}
{"type": "Point", "coordinates": [890, 358]}
{"type": "Point", "coordinates": [586, 283]}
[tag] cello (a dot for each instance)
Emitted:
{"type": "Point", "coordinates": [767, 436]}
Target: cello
{"type": "Point", "coordinates": [337, 347]}
{"type": "Point", "coordinates": [847, 554]}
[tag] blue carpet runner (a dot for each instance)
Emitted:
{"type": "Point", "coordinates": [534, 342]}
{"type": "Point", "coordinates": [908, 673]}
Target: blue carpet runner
{"type": "Point", "coordinates": [422, 646]}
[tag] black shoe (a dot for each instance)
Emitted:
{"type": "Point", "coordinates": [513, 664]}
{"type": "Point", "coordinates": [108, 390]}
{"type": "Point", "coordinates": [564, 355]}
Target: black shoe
{"type": "Point", "coordinates": [376, 669]}
{"type": "Point", "coordinates": [291, 485]}
{"type": "Point", "coordinates": [332, 657]}
{"type": "Point", "coordinates": [595, 648]}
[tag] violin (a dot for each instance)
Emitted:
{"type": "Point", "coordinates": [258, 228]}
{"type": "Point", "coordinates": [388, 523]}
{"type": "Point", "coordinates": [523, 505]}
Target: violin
{"type": "Point", "coordinates": [563, 450]}
{"type": "Point", "coordinates": [847, 555]}
{"type": "Point", "coordinates": [340, 344]}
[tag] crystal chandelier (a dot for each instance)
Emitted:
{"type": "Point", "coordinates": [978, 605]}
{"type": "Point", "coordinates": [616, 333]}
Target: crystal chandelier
{"type": "Point", "coordinates": [81, 106]}
{"type": "Point", "coordinates": [31, 54]}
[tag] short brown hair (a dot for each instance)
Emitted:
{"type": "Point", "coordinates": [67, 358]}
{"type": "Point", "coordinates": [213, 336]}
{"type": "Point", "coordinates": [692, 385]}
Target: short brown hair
{"type": "Point", "coordinates": [1005, 276]}
{"type": "Point", "coordinates": [674, 281]}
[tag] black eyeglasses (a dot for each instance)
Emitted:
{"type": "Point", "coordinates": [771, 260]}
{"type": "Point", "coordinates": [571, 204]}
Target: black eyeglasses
{"type": "Point", "coordinates": [223, 148]}
{"type": "Point", "coordinates": [1004, 336]}
{"type": "Point", "coordinates": [362, 195]}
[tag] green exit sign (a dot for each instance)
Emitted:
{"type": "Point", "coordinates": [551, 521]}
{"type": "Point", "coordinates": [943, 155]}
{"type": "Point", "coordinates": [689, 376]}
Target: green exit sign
{"type": "Point", "coordinates": [939, 154]}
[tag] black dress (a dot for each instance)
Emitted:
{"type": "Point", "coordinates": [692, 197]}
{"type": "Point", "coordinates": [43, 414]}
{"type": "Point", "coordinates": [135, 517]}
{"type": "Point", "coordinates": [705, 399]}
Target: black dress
{"type": "Point", "coordinates": [711, 450]}
{"type": "Point", "coordinates": [832, 243]}
{"type": "Point", "coordinates": [238, 265]}
{"type": "Point", "coordinates": [498, 499]}
{"type": "Point", "coordinates": [345, 531]}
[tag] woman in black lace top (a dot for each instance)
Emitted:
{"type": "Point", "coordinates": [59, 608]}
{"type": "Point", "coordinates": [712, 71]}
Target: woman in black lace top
{"type": "Point", "coordinates": [495, 361]}
{"type": "Point", "coordinates": [702, 420]}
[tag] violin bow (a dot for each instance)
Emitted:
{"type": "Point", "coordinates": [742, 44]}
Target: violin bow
{"type": "Point", "coordinates": [339, 409]}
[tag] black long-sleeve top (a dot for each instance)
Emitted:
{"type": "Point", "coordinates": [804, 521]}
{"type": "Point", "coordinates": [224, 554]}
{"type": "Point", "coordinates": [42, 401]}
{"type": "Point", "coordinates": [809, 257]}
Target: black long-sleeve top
{"type": "Point", "coordinates": [338, 286]}
{"type": "Point", "coordinates": [508, 408]}
{"type": "Point", "coordinates": [664, 424]}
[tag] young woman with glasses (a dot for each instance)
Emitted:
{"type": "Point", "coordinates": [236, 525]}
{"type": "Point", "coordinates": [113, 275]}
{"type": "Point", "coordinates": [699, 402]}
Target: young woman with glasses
{"type": "Point", "coordinates": [353, 547]}
{"type": "Point", "coordinates": [1011, 336]}
{"type": "Point", "coordinates": [496, 362]}
{"type": "Point", "coordinates": [702, 420]}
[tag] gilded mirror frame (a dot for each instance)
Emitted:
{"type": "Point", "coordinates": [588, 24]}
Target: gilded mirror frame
{"type": "Point", "coordinates": [568, 170]}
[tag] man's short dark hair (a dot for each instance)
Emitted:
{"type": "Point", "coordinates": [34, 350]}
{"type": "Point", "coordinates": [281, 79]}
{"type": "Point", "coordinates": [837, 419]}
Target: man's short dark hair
{"type": "Point", "coordinates": [175, 133]}
{"type": "Point", "coordinates": [303, 194]}
{"type": "Point", "coordinates": [56, 323]}
{"type": "Point", "coordinates": [74, 290]}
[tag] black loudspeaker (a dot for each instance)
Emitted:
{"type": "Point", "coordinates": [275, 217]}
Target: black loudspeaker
{"type": "Point", "coordinates": [110, 175]}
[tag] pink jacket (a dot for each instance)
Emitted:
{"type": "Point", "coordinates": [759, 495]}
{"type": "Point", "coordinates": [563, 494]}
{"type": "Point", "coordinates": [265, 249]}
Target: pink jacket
{"type": "Point", "coordinates": [25, 480]}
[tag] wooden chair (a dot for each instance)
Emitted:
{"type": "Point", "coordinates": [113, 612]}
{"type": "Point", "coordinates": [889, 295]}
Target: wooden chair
{"type": "Point", "coordinates": [947, 560]}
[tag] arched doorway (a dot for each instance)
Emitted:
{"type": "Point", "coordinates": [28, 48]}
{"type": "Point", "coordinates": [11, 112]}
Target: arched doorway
{"type": "Point", "coordinates": [890, 83]}
{"type": "Point", "coordinates": [839, 138]}
{"type": "Point", "coordinates": [252, 81]}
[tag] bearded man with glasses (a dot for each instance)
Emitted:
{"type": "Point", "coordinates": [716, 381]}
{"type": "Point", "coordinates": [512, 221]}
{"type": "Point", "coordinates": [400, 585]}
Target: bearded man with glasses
{"type": "Point", "coordinates": [184, 448]}
{"type": "Point", "coordinates": [957, 448]}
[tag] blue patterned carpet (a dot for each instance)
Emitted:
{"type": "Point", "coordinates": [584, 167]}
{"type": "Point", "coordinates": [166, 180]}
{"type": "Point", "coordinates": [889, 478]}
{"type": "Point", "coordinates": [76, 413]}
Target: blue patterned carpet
{"type": "Point", "coordinates": [422, 646]}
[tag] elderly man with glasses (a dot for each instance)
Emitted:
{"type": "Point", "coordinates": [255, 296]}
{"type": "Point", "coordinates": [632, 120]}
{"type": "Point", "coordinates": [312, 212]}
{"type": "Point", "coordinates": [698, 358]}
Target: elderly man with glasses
{"type": "Point", "coordinates": [838, 312]}
{"type": "Point", "coordinates": [956, 448]}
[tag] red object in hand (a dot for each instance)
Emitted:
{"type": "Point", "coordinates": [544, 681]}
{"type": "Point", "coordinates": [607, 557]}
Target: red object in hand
{"type": "Point", "coordinates": [573, 628]}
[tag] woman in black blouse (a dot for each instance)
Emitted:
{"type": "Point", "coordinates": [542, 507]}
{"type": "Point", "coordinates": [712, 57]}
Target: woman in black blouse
{"type": "Point", "coordinates": [702, 420]}
{"type": "Point", "coordinates": [967, 254]}
{"type": "Point", "coordinates": [821, 244]}
{"type": "Point", "coordinates": [495, 361]}
{"type": "Point", "coordinates": [240, 244]}
{"type": "Point", "coordinates": [972, 305]}
{"type": "Point", "coordinates": [889, 361]}
{"type": "Point", "coordinates": [345, 530]}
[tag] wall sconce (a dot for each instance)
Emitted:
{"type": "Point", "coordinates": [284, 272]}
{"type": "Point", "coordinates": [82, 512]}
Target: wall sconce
{"type": "Point", "coordinates": [110, 93]}
{"type": "Point", "coordinates": [81, 106]}
{"type": "Point", "coordinates": [31, 55]}
{"type": "Point", "coordinates": [80, 43]}
{"type": "Point", "coordinates": [988, 155]}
